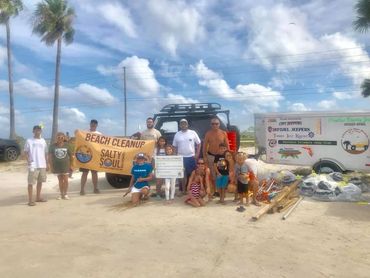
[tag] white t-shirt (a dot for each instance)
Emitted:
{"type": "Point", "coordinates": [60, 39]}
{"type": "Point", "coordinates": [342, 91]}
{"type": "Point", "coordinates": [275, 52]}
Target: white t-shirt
{"type": "Point", "coordinates": [252, 165]}
{"type": "Point", "coordinates": [36, 149]}
{"type": "Point", "coordinates": [185, 142]}
{"type": "Point", "coordinates": [150, 134]}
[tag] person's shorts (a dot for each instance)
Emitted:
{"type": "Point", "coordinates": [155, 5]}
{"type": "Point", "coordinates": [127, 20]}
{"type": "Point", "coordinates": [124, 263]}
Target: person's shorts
{"type": "Point", "coordinates": [37, 175]}
{"type": "Point", "coordinates": [242, 187]}
{"type": "Point", "coordinates": [189, 165]}
{"type": "Point", "coordinates": [87, 170]}
{"type": "Point", "coordinates": [222, 181]}
{"type": "Point", "coordinates": [138, 190]}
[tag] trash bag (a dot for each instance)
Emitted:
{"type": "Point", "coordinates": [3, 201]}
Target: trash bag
{"type": "Point", "coordinates": [308, 187]}
{"type": "Point", "coordinates": [349, 193]}
{"type": "Point", "coordinates": [286, 177]}
{"type": "Point", "coordinates": [336, 176]}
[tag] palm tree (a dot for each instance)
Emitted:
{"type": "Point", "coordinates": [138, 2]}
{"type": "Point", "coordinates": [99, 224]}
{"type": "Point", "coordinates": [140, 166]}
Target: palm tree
{"type": "Point", "coordinates": [52, 21]}
{"type": "Point", "coordinates": [9, 8]}
{"type": "Point", "coordinates": [365, 88]}
{"type": "Point", "coordinates": [362, 24]}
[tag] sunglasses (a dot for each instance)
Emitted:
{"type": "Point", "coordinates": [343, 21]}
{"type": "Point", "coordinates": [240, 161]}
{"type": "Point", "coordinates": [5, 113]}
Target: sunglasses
{"type": "Point", "coordinates": [200, 163]}
{"type": "Point", "coordinates": [215, 123]}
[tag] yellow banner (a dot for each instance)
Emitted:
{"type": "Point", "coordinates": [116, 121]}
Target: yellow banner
{"type": "Point", "coordinates": [108, 154]}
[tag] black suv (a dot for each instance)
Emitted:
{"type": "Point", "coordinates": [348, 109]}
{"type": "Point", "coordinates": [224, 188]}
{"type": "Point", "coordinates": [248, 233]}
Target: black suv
{"type": "Point", "coordinates": [198, 116]}
{"type": "Point", "coordinates": [9, 150]}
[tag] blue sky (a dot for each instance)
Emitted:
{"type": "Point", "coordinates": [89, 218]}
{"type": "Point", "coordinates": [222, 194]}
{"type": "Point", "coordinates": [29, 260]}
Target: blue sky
{"type": "Point", "coordinates": [249, 56]}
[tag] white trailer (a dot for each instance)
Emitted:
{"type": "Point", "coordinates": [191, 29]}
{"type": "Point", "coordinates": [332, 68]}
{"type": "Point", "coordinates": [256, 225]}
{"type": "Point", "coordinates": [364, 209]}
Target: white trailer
{"type": "Point", "coordinates": [323, 140]}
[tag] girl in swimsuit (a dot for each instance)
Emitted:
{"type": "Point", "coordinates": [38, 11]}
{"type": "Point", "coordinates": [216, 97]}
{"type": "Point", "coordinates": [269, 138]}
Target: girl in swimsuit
{"type": "Point", "coordinates": [195, 188]}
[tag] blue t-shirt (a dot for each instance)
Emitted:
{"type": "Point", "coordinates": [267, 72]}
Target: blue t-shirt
{"type": "Point", "coordinates": [141, 171]}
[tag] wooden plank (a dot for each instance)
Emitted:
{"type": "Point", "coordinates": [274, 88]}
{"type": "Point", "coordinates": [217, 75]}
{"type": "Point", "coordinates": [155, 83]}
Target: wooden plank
{"type": "Point", "coordinates": [286, 191]}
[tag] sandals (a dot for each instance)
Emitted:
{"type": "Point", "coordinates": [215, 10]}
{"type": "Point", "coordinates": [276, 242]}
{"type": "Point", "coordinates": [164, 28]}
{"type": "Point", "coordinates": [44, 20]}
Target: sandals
{"type": "Point", "coordinates": [240, 209]}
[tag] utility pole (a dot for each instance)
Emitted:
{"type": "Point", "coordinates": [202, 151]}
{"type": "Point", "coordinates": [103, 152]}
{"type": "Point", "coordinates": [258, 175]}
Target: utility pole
{"type": "Point", "coordinates": [125, 99]}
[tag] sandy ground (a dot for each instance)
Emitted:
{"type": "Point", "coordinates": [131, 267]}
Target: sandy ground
{"type": "Point", "coordinates": [96, 236]}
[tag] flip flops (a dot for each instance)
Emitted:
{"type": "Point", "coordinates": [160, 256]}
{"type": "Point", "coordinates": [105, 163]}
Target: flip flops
{"type": "Point", "coordinates": [240, 209]}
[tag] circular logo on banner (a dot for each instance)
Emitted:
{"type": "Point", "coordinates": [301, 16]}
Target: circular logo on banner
{"type": "Point", "coordinates": [83, 154]}
{"type": "Point", "coordinates": [355, 141]}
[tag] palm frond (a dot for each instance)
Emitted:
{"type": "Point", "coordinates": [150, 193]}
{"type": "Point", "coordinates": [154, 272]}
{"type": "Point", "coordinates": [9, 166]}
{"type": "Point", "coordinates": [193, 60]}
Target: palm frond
{"type": "Point", "coordinates": [53, 19]}
{"type": "Point", "coordinates": [365, 88]}
{"type": "Point", "coordinates": [362, 22]}
{"type": "Point", "coordinates": [9, 8]}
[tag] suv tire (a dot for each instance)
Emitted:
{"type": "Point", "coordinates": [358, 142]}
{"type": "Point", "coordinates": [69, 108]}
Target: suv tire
{"type": "Point", "coordinates": [11, 154]}
{"type": "Point", "coordinates": [118, 181]}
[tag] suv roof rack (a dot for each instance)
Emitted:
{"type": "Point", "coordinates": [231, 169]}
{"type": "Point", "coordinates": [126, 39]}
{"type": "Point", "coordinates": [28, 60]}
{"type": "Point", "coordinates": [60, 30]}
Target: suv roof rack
{"type": "Point", "coordinates": [191, 107]}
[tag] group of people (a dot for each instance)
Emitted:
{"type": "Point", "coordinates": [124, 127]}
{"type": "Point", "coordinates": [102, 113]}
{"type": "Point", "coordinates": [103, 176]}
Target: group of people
{"type": "Point", "coordinates": [205, 178]}
{"type": "Point", "coordinates": [58, 158]}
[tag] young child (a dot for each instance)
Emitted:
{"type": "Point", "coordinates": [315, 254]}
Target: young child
{"type": "Point", "coordinates": [195, 187]}
{"type": "Point", "coordinates": [242, 175]}
{"type": "Point", "coordinates": [60, 159]}
{"type": "Point", "coordinates": [139, 183]}
{"type": "Point", "coordinates": [221, 166]}
{"type": "Point", "coordinates": [170, 183]}
{"type": "Point", "coordinates": [160, 150]}
{"type": "Point", "coordinates": [242, 178]}
{"type": "Point", "coordinates": [230, 158]}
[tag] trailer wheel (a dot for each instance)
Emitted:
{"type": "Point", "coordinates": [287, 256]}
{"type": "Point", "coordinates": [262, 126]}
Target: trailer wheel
{"type": "Point", "coordinates": [326, 167]}
{"type": "Point", "coordinates": [118, 181]}
{"type": "Point", "coordinates": [353, 147]}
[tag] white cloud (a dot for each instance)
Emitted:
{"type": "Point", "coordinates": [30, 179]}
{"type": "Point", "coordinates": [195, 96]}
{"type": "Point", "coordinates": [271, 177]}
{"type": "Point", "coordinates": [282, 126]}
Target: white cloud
{"type": "Point", "coordinates": [172, 24]}
{"type": "Point", "coordinates": [118, 16]}
{"type": "Point", "coordinates": [97, 95]}
{"type": "Point", "coordinates": [140, 78]}
{"type": "Point", "coordinates": [277, 35]}
{"type": "Point", "coordinates": [342, 95]}
{"type": "Point", "coordinates": [202, 71]}
{"type": "Point", "coordinates": [298, 107]}
{"type": "Point", "coordinates": [327, 104]}
{"type": "Point", "coordinates": [255, 94]}
{"type": "Point", "coordinates": [83, 93]}
{"type": "Point", "coordinates": [72, 115]}
{"type": "Point", "coordinates": [259, 95]}
{"type": "Point", "coordinates": [175, 98]}
{"type": "Point", "coordinates": [353, 61]}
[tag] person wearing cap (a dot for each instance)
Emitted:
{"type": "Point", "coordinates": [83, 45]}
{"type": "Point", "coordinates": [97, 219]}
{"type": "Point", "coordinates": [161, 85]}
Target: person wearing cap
{"type": "Point", "coordinates": [85, 172]}
{"type": "Point", "coordinates": [187, 144]}
{"type": "Point", "coordinates": [36, 152]}
{"type": "Point", "coordinates": [141, 175]}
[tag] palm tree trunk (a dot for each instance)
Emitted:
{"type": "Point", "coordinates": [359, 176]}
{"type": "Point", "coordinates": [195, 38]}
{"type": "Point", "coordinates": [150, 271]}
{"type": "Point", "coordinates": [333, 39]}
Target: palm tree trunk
{"type": "Point", "coordinates": [10, 83]}
{"type": "Point", "coordinates": [56, 91]}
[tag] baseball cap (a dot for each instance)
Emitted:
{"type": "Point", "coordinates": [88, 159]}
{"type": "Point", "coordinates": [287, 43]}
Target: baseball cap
{"type": "Point", "coordinates": [140, 155]}
{"type": "Point", "coordinates": [183, 120]}
{"type": "Point", "coordinates": [36, 127]}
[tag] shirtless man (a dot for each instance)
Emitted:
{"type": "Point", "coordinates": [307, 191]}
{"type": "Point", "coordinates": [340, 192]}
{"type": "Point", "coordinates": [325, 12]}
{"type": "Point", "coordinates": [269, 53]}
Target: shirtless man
{"type": "Point", "coordinates": [213, 138]}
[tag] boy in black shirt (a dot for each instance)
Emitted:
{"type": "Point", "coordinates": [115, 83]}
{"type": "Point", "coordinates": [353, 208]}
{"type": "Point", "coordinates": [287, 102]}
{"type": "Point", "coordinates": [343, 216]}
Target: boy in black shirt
{"type": "Point", "coordinates": [221, 166]}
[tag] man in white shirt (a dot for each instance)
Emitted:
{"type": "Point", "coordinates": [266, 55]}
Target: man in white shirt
{"type": "Point", "coordinates": [85, 172]}
{"type": "Point", "coordinates": [187, 144]}
{"type": "Point", "coordinates": [36, 152]}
